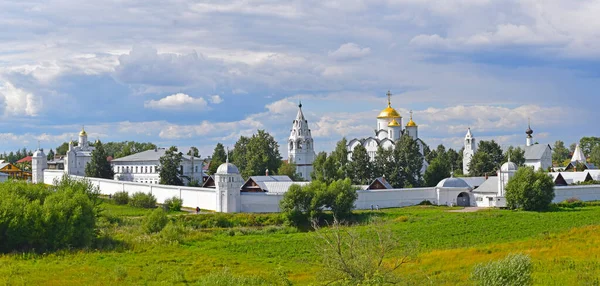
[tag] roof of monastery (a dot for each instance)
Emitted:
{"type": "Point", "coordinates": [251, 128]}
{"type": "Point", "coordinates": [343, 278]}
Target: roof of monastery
{"type": "Point", "coordinates": [453, 183]}
{"type": "Point", "coordinates": [149, 155]}
{"type": "Point", "coordinates": [489, 186]}
{"type": "Point", "coordinates": [578, 155]}
{"type": "Point", "coordinates": [389, 111]}
{"type": "Point", "coordinates": [270, 179]}
{"type": "Point", "coordinates": [262, 183]}
{"type": "Point", "coordinates": [535, 151]}
{"type": "Point", "coordinates": [228, 168]}
{"type": "Point", "coordinates": [382, 181]}
{"type": "Point", "coordinates": [280, 187]}
{"type": "Point", "coordinates": [474, 182]}
{"type": "Point", "coordinates": [26, 159]}
{"type": "Point", "coordinates": [509, 166]}
{"type": "Point", "coordinates": [572, 177]}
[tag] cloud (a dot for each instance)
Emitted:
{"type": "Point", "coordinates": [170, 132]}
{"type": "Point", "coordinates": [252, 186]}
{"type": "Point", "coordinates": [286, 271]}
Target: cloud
{"type": "Point", "coordinates": [178, 101]}
{"type": "Point", "coordinates": [216, 99]}
{"type": "Point", "coordinates": [17, 101]}
{"type": "Point", "coordinates": [284, 106]}
{"type": "Point", "coordinates": [349, 51]}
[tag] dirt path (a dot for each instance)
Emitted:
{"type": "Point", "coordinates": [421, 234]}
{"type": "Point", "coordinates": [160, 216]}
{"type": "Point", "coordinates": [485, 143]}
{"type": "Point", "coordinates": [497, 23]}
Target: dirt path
{"type": "Point", "coordinates": [467, 210]}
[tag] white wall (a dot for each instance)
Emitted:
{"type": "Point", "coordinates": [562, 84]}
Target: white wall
{"type": "Point", "coordinates": [51, 175]}
{"type": "Point", "coordinates": [260, 202]}
{"type": "Point", "coordinates": [394, 198]}
{"type": "Point", "coordinates": [584, 193]}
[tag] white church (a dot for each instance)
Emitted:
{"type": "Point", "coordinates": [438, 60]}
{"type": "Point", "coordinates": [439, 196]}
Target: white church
{"type": "Point", "coordinates": [301, 146]}
{"type": "Point", "coordinates": [388, 131]}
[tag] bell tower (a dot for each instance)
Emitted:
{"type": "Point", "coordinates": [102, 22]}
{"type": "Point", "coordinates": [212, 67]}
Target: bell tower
{"type": "Point", "coordinates": [470, 149]}
{"type": "Point", "coordinates": [301, 150]}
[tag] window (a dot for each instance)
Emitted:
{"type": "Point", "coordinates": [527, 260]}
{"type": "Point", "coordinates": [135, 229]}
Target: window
{"type": "Point", "coordinates": [196, 170]}
{"type": "Point", "coordinates": [136, 169]}
{"type": "Point", "coordinates": [181, 169]}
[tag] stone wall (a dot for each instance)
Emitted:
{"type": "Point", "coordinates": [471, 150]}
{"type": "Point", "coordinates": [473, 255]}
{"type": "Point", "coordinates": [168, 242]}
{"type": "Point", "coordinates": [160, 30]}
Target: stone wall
{"type": "Point", "coordinates": [584, 193]}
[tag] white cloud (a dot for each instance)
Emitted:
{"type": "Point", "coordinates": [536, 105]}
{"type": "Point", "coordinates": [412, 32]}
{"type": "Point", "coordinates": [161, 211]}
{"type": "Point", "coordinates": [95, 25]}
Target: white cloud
{"type": "Point", "coordinates": [178, 101]}
{"type": "Point", "coordinates": [349, 51]}
{"type": "Point", "coordinates": [17, 101]}
{"type": "Point", "coordinates": [216, 99]}
{"type": "Point", "coordinates": [284, 106]}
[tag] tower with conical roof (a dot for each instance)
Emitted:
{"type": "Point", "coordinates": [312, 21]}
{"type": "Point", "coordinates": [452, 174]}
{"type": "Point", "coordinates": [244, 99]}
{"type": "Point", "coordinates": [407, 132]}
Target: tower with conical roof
{"type": "Point", "coordinates": [300, 146]}
{"type": "Point", "coordinates": [412, 129]}
{"type": "Point", "coordinates": [529, 133]}
{"type": "Point", "coordinates": [469, 151]}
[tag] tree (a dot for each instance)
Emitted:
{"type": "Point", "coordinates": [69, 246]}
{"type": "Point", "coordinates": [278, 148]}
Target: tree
{"type": "Point", "coordinates": [50, 155]}
{"type": "Point", "coordinates": [559, 153]}
{"type": "Point", "coordinates": [193, 152]}
{"type": "Point", "coordinates": [487, 159]}
{"type": "Point", "coordinates": [382, 165]}
{"type": "Point", "coordinates": [587, 144]}
{"type": "Point", "coordinates": [456, 160]}
{"type": "Point", "coordinates": [530, 190]}
{"type": "Point", "coordinates": [98, 166]}
{"type": "Point", "coordinates": [169, 170]}
{"type": "Point", "coordinates": [340, 198]}
{"type": "Point", "coordinates": [572, 147]}
{"type": "Point", "coordinates": [340, 159]}
{"type": "Point", "coordinates": [437, 171]}
{"type": "Point", "coordinates": [595, 156]}
{"type": "Point", "coordinates": [408, 163]}
{"type": "Point", "coordinates": [517, 155]}
{"type": "Point", "coordinates": [319, 172]}
{"type": "Point", "coordinates": [360, 169]}
{"type": "Point", "coordinates": [255, 155]}
{"type": "Point", "coordinates": [219, 156]}
{"type": "Point", "coordinates": [289, 169]}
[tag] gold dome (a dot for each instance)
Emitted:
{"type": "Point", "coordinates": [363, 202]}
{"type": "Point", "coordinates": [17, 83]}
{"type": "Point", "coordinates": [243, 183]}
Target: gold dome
{"type": "Point", "coordinates": [411, 123]}
{"type": "Point", "coordinates": [389, 112]}
{"type": "Point", "coordinates": [394, 123]}
{"type": "Point", "coordinates": [82, 133]}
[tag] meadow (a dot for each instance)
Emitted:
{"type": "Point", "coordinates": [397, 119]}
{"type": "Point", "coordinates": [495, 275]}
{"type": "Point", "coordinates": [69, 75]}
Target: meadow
{"type": "Point", "coordinates": [260, 249]}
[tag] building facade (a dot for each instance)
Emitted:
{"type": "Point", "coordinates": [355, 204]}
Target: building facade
{"type": "Point", "coordinates": [78, 156]}
{"type": "Point", "coordinates": [301, 150]}
{"type": "Point", "coordinates": [469, 151]}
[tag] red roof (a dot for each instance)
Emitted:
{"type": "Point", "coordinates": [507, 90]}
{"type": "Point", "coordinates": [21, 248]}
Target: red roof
{"type": "Point", "coordinates": [26, 159]}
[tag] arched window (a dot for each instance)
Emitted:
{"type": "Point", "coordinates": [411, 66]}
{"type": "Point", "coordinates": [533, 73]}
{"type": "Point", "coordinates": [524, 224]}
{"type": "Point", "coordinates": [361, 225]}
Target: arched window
{"type": "Point", "coordinates": [299, 144]}
{"type": "Point", "coordinates": [136, 169]}
{"type": "Point", "coordinates": [291, 145]}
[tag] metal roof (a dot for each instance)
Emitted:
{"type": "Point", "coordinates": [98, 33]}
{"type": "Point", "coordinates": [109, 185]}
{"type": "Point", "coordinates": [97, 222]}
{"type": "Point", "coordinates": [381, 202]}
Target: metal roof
{"type": "Point", "coordinates": [536, 151]}
{"type": "Point", "coordinates": [270, 179]}
{"type": "Point", "coordinates": [474, 182]}
{"type": "Point", "coordinates": [150, 155]}
{"type": "Point", "coordinates": [453, 183]}
{"type": "Point", "coordinates": [280, 187]}
{"type": "Point", "coordinates": [489, 186]}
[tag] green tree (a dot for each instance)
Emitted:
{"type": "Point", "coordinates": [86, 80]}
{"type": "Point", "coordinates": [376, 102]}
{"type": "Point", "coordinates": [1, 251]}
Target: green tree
{"type": "Point", "coordinates": [169, 170]}
{"type": "Point", "coordinates": [255, 155]}
{"type": "Point", "coordinates": [587, 144]}
{"type": "Point", "coordinates": [383, 165]}
{"type": "Point", "coordinates": [487, 159]}
{"type": "Point", "coordinates": [219, 156]}
{"type": "Point", "coordinates": [456, 160]}
{"type": "Point", "coordinates": [193, 152]}
{"type": "Point", "coordinates": [408, 163]}
{"type": "Point", "coordinates": [438, 170]}
{"type": "Point", "coordinates": [98, 166]}
{"type": "Point", "coordinates": [529, 190]}
{"type": "Point", "coordinates": [289, 169]}
{"type": "Point", "coordinates": [340, 198]}
{"type": "Point", "coordinates": [340, 159]}
{"type": "Point", "coordinates": [560, 153]}
{"type": "Point", "coordinates": [595, 156]}
{"type": "Point", "coordinates": [572, 147]}
{"type": "Point", "coordinates": [62, 149]}
{"type": "Point", "coordinates": [50, 155]}
{"type": "Point", "coordinates": [360, 168]}
{"type": "Point", "coordinates": [517, 155]}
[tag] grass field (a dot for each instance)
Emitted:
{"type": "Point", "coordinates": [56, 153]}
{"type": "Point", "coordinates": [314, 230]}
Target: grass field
{"type": "Point", "coordinates": [563, 246]}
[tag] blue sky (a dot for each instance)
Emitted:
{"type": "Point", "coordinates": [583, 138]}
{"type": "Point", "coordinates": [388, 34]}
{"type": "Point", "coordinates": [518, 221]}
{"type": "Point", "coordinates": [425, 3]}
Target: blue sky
{"type": "Point", "coordinates": [193, 73]}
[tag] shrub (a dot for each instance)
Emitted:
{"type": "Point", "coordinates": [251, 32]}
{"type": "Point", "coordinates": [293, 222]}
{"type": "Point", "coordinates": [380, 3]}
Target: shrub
{"type": "Point", "coordinates": [41, 218]}
{"type": "Point", "coordinates": [121, 198]}
{"type": "Point", "coordinates": [571, 203]}
{"type": "Point", "coordinates": [173, 204]}
{"type": "Point", "coordinates": [425, 203]}
{"type": "Point", "coordinates": [142, 200]}
{"type": "Point", "coordinates": [530, 190]}
{"type": "Point", "coordinates": [173, 232]}
{"type": "Point", "coordinates": [515, 269]}
{"type": "Point", "coordinates": [155, 221]}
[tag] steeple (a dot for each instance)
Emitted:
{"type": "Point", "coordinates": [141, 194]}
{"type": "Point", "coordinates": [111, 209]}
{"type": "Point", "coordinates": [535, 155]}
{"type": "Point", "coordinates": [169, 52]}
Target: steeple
{"type": "Point", "coordinates": [300, 145]}
{"type": "Point", "coordinates": [529, 133]}
{"type": "Point", "coordinates": [389, 96]}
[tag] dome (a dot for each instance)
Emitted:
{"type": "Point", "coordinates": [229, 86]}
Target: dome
{"type": "Point", "coordinates": [38, 154]}
{"type": "Point", "coordinates": [82, 133]}
{"type": "Point", "coordinates": [389, 112]}
{"type": "Point", "coordinates": [411, 123]}
{"type": "Point", "coordinates": [394, 123]}
{"type": "Point", "coordinates": [509, 166]}
{"type": "Point", "coordinates": [453, 183]}
{"type": "Point", "coordinates": [227, 168]}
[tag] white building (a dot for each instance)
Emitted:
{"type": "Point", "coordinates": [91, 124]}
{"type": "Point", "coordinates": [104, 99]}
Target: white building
{"type": "Point", "coordinates": [470, 149]}
{"type": "Point", "coordinates": [228, 184]}
{"type": "Point", "coordinates": [538, 156]}
{"type": "Point", "coordinates": [78, 156]}
{"type": "Point", "coordinates": [144, 167]}
{"type": "Point", "coordinates": [389, 130]}
{"type": "Point", "coordinates": [579, 159]}
{"type": "Point", "coordinates": [301, 146]}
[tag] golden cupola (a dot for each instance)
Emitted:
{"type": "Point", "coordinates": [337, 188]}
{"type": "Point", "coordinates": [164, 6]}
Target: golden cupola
{"type": "Point", "coordinates": [394, 123]}
{"type": "Point", "coordinates": [82, 133]}
{"type": "Point", "coordinates": [389, 111]}
{"type": "Point", "coordinates": [411, 123]}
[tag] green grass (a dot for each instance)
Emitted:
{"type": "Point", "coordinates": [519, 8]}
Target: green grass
{"type": "Point", "coordinates": [111, 209]}
{"type": "Point", "coordinates": [450, 244]}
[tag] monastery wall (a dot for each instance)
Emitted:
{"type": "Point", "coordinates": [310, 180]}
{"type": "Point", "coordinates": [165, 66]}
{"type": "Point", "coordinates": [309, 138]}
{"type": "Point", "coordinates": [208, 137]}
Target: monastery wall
{"type": "Point", "coordinates": [204, 198]}
{"type": "Point", "coordinates": [584, 193]}
{"type": "Point", "coordinates": [260, 202]}
{"type": "Point", "coordinates": [394, 198]}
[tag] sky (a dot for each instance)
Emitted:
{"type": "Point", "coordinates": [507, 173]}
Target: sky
{"type": "Point", "coordinates": [194, 73]}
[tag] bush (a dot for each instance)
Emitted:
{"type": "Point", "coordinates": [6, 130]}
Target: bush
{"type": "Point", "coordinates": [425, 203]}
{"type": "Point", "coordinates": [121, 198]}
{"type": "Point", "coordinates": [41, 218]}
{"type": "Point", "coordinates": [173, 204]}
{"type": "Point", "coordinates": [155, 221]}
{"type": "Point", "coordinates": [223, 220]}
{"type": "Point", "coordinates": [571, 203]}
{"type": "Point", "coordinates": [530, 190]}
{"type": "Point", "coordinates": [142, 200]}
{"type": "Point", "coordinates": [515, 269]}
{"type": "Point", "coordinates": [173, 232]}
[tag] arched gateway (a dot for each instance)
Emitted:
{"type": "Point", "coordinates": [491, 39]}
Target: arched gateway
{"type": "Point", "coordinates": [463, 200]}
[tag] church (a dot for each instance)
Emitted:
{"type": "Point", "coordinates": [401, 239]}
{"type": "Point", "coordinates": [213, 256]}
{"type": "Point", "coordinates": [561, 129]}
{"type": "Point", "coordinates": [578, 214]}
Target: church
{"type": "Point", "coordinates": [388, 131]}
{"type": "Point", "coordinates": [301, 150]}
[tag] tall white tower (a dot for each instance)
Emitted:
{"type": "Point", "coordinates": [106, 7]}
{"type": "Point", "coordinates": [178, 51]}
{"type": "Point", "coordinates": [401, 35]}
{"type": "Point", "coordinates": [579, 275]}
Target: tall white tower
{"type": "Point", "coordinates": [83, 139]}
{"type": "Point", "coordinates": [470, 149]}
{"type": "Point", "coordinates": [38, 164]}
{"type": "Point", "coordinates": [412, 129]}
{"type": "Point", "coordinates": [300, 146]}
{"type": "Point", "coordinates": [228, 184]}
